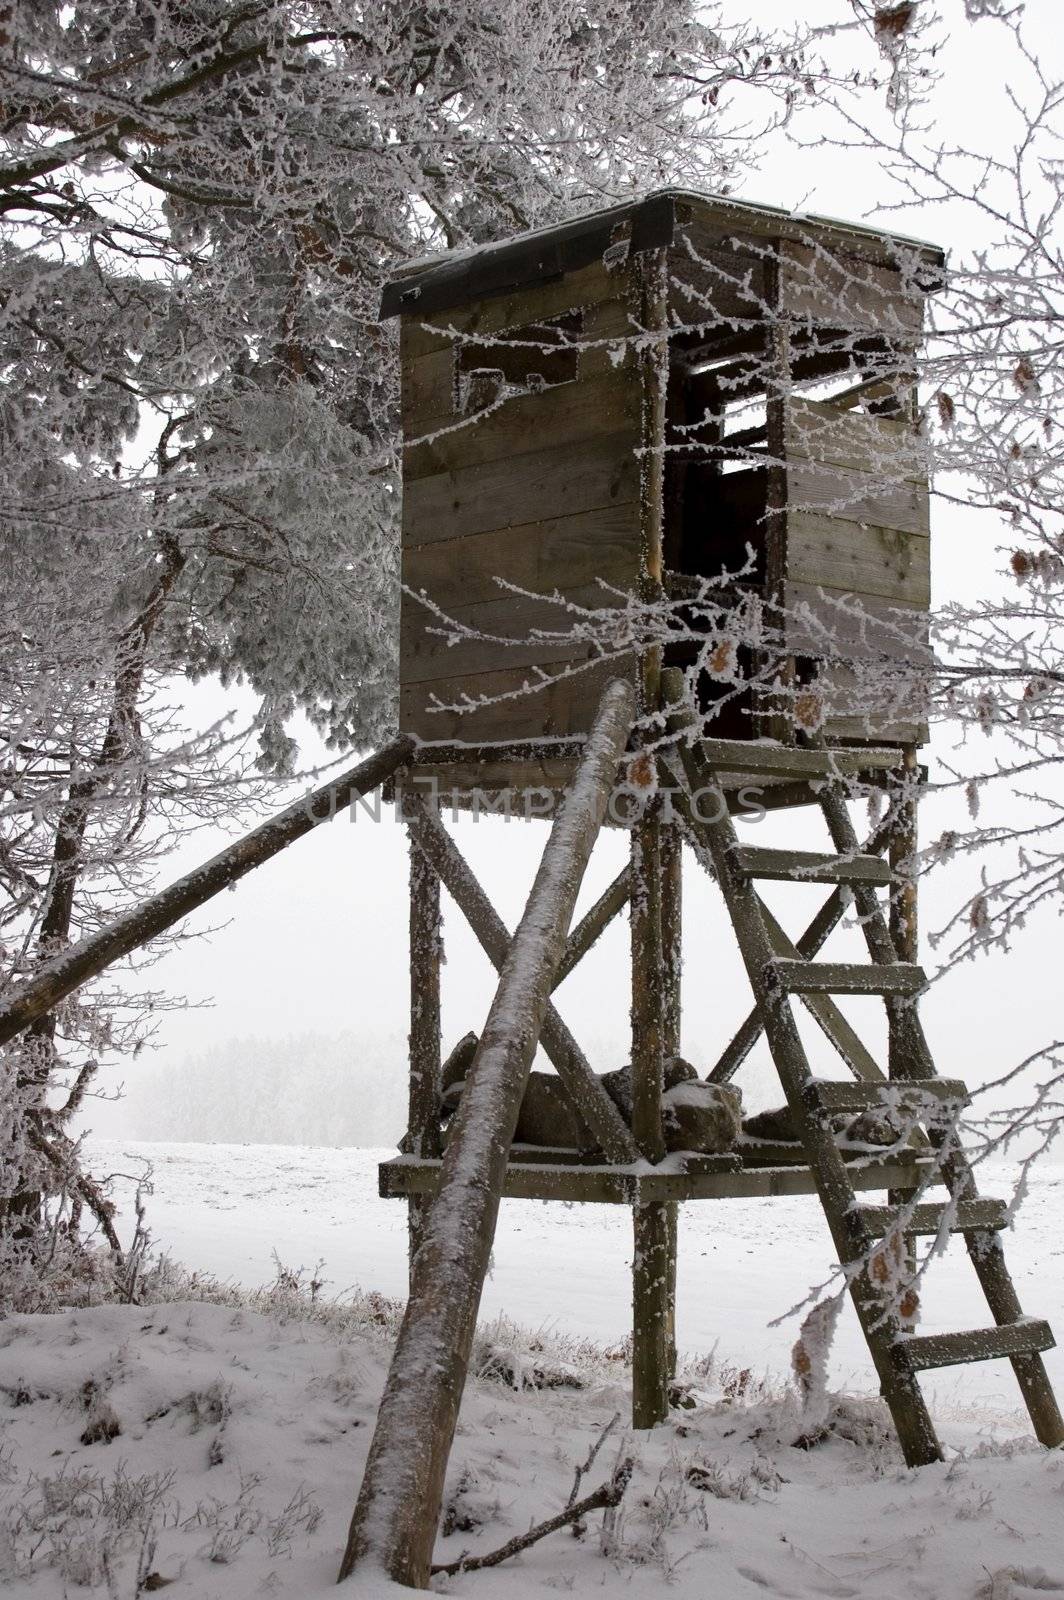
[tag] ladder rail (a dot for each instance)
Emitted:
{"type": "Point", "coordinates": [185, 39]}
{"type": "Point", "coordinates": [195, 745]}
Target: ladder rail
{"type": "Point", "coordinates": [815, 936]}
{"type": "Point", "coordinates": [914, 1058]}
{"type": "Point", "coordinates": [777, 974]}
{"type": "Point", "coordinates": [852, 1241]}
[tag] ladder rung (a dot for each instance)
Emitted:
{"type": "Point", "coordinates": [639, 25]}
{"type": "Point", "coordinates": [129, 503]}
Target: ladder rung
{"type": "Point", "coordinates": [919, 1095]}
{"type": "Point", "coordinates": [787, 761]}
{"type": "Point", "coordinates": [806, 866]}
{"type": "Point", "coordinates": [1025, 1338]}
{"type": "Point", "coordinates": [966, 1216]}
{"type": "Point", "coordinates": [844, 977]}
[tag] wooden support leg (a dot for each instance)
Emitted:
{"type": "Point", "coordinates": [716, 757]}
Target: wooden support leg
{"type": "Point", "coordinates": [394, 1526]}
{"type": "Point", "coordinates": [651, 1231]}
{"type": "Point", "coordinates": [671, 963]}
{"type": "Point", "coordinates": [904, 930]}
{"type": "Point", "coordinates": [425, 959]}
{"type": "Point", "coordinates": [904, 934]}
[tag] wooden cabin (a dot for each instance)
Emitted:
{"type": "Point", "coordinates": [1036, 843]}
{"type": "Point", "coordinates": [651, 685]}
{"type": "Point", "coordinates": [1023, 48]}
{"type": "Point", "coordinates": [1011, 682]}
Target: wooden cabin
{"type": "Point", "coordinates": [681, 388]}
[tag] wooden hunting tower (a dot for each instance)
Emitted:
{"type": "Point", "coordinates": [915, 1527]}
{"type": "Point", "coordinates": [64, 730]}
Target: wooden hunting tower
{"type": "Point", "coordinates": [670, 390]}
{"type": "Point", "coordinates": [687, 400]}
{"type": "Point", "coordinates": [690, 410]}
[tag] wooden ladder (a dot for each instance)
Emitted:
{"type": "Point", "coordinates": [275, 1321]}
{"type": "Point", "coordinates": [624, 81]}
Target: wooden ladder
{"type": "Point", "coordinates": [930, 1102]}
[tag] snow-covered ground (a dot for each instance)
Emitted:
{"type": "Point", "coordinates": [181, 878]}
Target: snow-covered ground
{"type": "Point", "coordinates": [215, 1448]}
{"type": "Point", "coordinates": [227, 1209]}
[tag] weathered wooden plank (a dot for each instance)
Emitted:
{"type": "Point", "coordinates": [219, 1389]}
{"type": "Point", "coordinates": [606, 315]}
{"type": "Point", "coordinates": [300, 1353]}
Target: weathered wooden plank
{"type": "Point", "coordinates": [917, 1353]}
{"type": "Point", "coordinates": [861, 497]}
{"type": "Point", "coordinates": [562, 413]}
{"type": "Point", "coordinates": [850, 977]}
{"type": "Point", "coordinates": [592, 285]}
{"type": "Point", "coordinates": [564, 706]}
{"type": "Point", "coordinates": [493, 788]}
{"type": "Point", "coordinates": [428, 389]}
{"type": "Point", "coordinates": [841, 291]}
{"type": "Point", "coordinates": [789, 761]}
{"type": "Point", "coordinates": [760, 227]}
{"type": "Point", "coordinates": [862, 703]}
{"type": "Point", "coordinates": [562, 554]}
{"type": "Point", "coordinates": [964, 1216]}
{"type": "Point", "coordinates": [867, 1173]}
{"type": "Point", "coordinates": [502, 637]}
{"type": "Point", "coordinates": [525, 1180]}
{"type": "Point", "coordinates": [528, 1179]}
{"type": "Point", "coordinates": [910, 1095]}
{"type": "Point", "coordinates": [821, 620]}
{"type": "Point", "coordinates": [887, 447]}
{"type": "Point", "coordinates": [535, 486]}
{"type": "Point", "coordinates": [716, 284]}
{"type": "Point", "coordinates": [810, 866]}
{"type": "Point", "coordinates": [861, 559]}
{"type": "Point", "coordinates": [840, 727]}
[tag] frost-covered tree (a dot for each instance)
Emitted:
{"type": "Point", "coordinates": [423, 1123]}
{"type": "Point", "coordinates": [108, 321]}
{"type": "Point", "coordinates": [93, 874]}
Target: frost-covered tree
{"type": "Point", "coordinates": [203, 201]}
{"type": "Point", "coordinates": [200, 204]}
{"type": "Point", "coordinates": [981, 169]}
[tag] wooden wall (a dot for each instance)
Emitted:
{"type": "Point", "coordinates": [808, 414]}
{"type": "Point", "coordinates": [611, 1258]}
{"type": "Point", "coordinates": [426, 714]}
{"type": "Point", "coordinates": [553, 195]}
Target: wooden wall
{"type": "Point", "coordinates": [541, 490]}
{"type": "Point", "coordinates": [857, 564]}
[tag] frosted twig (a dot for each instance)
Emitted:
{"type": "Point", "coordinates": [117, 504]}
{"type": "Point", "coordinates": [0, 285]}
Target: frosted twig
{"type": "Point", "coordinates": [609, 1494]}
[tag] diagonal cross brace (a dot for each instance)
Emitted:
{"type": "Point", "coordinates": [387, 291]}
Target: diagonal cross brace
{"type": "Point", "coordinates": [590, 1099]}
{"type": "Point", "coordinates": [815, 936]}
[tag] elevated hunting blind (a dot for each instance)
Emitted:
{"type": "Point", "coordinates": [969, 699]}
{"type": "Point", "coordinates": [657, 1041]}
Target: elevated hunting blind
{"type": "Point", "coordinates": [676, 390]}
{"type": "Point", "coordinates": [665, 515]}
{"type": "Point", "coordinates": [683, 433]}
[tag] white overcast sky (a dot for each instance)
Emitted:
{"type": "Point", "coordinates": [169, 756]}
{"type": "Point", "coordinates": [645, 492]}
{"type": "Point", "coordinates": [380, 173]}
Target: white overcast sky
{"type": "Point", "coordinates": [316, 940]}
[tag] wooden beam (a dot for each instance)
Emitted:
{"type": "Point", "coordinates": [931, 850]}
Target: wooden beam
{"type": "Point", "coordinates": [671, 1028]}
{"type": "Point", "coordinates": [423, 1125]}
{"type": "Point", "coordinates": [589, 1097]}
{"type": "Point", "coordinates": [393, 1529]}
{"type": "Point", "coordinates": [813, 939]}
{"type": "Point", "coordinates": [671, 936]}
{"type": "Point", "coordinates": [726, 1179]}
{"type": "Point", "coordinates": [594, 923]}
{"type": "Point", "coordinates": [903, 925]}
{"type": "Point", "coordinates": [92, 955]}
{"type": "Point", "coordinates": [652, 1269]}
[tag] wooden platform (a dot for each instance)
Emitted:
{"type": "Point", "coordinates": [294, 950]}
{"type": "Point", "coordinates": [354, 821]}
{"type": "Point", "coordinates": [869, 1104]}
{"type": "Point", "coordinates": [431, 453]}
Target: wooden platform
{"type": "Point", "coordinates": [679, 1177]}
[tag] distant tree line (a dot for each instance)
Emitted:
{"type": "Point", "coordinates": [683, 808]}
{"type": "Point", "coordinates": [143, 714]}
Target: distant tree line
{"type": "Point", "coordinates": [307, 1088]}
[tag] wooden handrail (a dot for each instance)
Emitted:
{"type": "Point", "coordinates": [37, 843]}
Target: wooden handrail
{"type": "Point", "coordinates": [70, 968]}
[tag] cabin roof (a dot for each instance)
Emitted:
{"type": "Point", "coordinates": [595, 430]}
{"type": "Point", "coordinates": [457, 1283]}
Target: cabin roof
{"type": "Point", "coordinates": [440, 282]}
